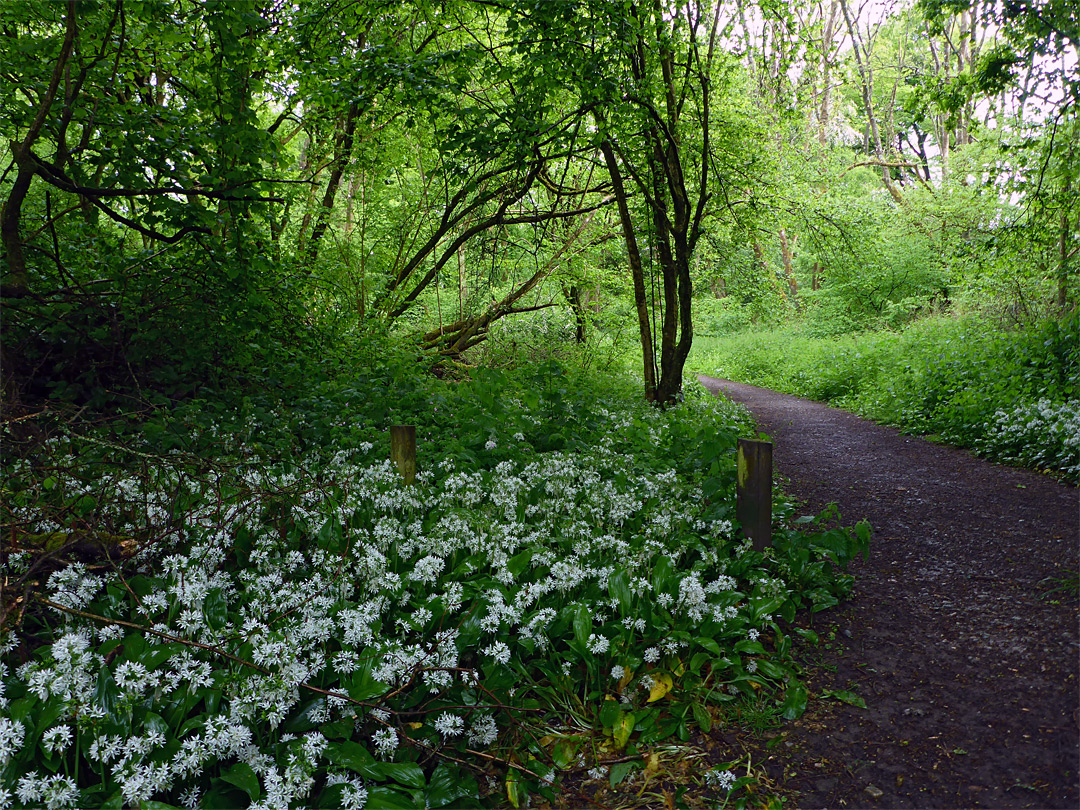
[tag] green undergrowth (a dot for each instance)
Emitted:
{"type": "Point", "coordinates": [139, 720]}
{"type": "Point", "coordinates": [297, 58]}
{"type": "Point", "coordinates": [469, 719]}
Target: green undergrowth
{"type": "Point", "coordinates": [237, 601]}
{"type": "Point", "coordinates": [1011, 395]}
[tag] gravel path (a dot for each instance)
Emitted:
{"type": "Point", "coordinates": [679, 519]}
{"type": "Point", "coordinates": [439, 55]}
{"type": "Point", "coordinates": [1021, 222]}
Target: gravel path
{"type": "Point", "coordinates": [967, 661]}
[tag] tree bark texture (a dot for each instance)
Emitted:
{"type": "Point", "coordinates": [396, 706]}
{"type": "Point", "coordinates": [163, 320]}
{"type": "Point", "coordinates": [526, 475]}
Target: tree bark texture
{"type": "Point", "coordinates": [11, 211]}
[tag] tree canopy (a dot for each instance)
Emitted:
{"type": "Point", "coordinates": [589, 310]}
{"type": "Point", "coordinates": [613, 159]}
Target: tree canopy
{"type": "Point", "coordinates": [212, 181]}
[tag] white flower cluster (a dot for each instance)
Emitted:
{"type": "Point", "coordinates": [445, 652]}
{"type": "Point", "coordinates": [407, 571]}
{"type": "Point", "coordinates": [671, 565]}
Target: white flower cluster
{"type": "Point", "coordinates": [1041, 433]}
{"type": "Point", "coordinates": [355, 577]}
{"type": "Point", "coordinates": [54, 791]}
{"type": "Point", "coordinates": [724, 780]}
{"type": "Point", "coordinates": [12, 734]}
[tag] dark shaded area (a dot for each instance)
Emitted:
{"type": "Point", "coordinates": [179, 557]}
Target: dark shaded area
{"type": "Point", "coordinates": [966, 655]}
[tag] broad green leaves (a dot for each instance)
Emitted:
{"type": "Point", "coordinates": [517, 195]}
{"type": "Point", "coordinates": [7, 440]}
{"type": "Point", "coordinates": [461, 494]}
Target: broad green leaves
{"type": "Point", "coordinates": [613, 625]}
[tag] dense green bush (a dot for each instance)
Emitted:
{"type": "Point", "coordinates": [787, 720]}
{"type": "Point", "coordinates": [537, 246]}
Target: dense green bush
{"type": "Point", "coordinates": [1012, 395]}
{"type": "Point", "coordinates": [168, 323]}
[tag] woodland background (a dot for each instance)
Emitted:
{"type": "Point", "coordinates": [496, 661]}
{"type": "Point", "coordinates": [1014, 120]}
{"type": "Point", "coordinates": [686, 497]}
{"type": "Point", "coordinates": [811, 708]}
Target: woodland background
{"type": "Point", "coordinates": [194, 190]}
{"type": "Point", "coordinates": [240, 240]}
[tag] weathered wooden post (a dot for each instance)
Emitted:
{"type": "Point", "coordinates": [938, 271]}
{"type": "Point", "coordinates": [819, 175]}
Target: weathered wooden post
{"type": "Point", "coordinates": [403, 450]}
{"type": "Point", "coordinates": [753, 491]}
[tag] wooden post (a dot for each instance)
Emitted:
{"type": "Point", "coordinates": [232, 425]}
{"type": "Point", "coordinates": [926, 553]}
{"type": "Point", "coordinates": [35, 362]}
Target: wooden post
{"type": "Point", "coordinates": [403, 450]}
{"type": "Point", "coordinates": [753, 491]}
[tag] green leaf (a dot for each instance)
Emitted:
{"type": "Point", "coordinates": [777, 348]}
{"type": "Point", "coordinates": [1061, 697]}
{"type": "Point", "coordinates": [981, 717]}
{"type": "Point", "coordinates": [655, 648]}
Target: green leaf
{"type": "Point", "coordinates": [788, 610]}
{"type": "Point", "coordinates": [620, 770]}
{"type": "Point", "coordinates": [863, 532]}
{"type": "Point", "coordinates": [356, 758]}
{"type": "Point", "coordinates": [795, 699]}
{"type": "Point", "coordinates": [519, 562]}
{"type": "Point", "coordinates": [135, 647]}
{"type": "Point", "coordinates": [221, 796]}
{"type": "Point", "coordinates": [331, 798]}
{"type": "Point", "coordinates": [448, 784]}
{"type": "Point", "coordinates": [845, 697]}
{"type": "Point", "coordinates": [699, 660]}
{"type": "Point", "coordinates": [748, 646]}
{"type": "Point", "coordinates": [767, 606]}
{"type": "Point", "coordinates": [155, 722]}
{"type": "Point", "coordinates": [384, 798]}
{"type": "Point", "coordinates": [361, 686]}
{"type": "Point", "coordinates": [515, 794]}
{"type": "Point", "coordinates": [408, 774]}
{"type": "Point", "coordinates": [769, 669]}
{"type": "Point", "coordinates": [662, 574]}
{"type": "Point", "coordinates": [609, 713]}
{"type": "Point", "coordinates": [20, 709]}
{"type": "Point", "coordinates": [159, 654]}
{"type": "Point", "coordinates": [242, 775]}
{"type": "Point", "coordinates": [564, 752]}
{"type": "Point", "coordinates": [582, 626]}
{"type": "Point", "coordinates": [339, 729]}
{"type": "Point", "coordinates": [215, 608]}
{"type": "Point", "coordinates": [46, 717]}
{"type": "Point", "coordinates": [646, 720]}
{"type": "Point", "coordinates": [619, 588]}
{"type": "Point", "coordinates": [809, 635]}
{"type": "Point", "coordinates": [703, 718]}
{"type": "Point", "coordinates": [106, 694]}
{"type": "Point", "coordinates": [305, 719]}
{"type": "Point", "coordinates": [710, 645]}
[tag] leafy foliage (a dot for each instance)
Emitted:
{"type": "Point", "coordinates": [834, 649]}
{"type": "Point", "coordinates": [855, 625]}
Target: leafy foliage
{"type": "Point", "coordinates": [1012, 395]}
{"type": "Point", "coordinates": [238, 602]}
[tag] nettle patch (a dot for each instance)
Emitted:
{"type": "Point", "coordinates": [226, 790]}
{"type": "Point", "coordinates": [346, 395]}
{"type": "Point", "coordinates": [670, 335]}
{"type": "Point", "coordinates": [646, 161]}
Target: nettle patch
{"type": "Point", "coordinates": [316, 633]}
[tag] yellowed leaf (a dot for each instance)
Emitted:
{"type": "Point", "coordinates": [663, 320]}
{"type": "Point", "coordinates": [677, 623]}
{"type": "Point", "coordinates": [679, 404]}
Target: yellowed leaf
{"type": "Point", "coordinates": [624, 727]}
{"type": "Point", "coordinates": [513, 790]}
{"type": "Point", "coordinates": [415, 726]}
{"type": "Point", "coordinates": [628, 675]}
{"type": "Point", "coordinates": [652, 764]}
{"type": "Point", "coordinates": [661, 685]}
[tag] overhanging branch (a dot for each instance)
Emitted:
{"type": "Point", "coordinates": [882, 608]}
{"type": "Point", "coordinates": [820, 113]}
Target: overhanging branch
{"type": "Point", "coordinates": [55, 177]}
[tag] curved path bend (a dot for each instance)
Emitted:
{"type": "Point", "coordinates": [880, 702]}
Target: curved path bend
{"type": "Point", "coordinates": [967, 658]}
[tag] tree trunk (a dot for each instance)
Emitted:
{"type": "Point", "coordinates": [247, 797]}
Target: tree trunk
{"type": "Point", "coordinates": [633, 255]}
{"type": "Point", "coordinates": [577, 307]}
{"type": "Point", "coordinates": [1065, 255]}
{"type": "Point", "coordinates": [11, 210]}
{"type": "Point", "coordinates": [343, 144]}
{"type": "Point", "coordinates": [866, 76]}
{"type": "Point", "coordinates": [465, 333]}
{"type": "Point", "coordinates": [10, 217]}
{"type": "Point", "coordinates": [786, 252]}
{"type": "Point", "coordinates": [350, 198]}
{"type": "Point", "coordinates": [824, 112]}
{"type": "Point", "coordinates": [463, 289]}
